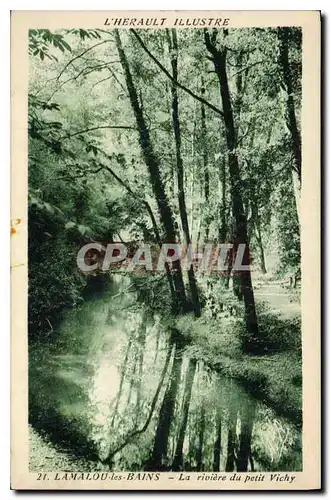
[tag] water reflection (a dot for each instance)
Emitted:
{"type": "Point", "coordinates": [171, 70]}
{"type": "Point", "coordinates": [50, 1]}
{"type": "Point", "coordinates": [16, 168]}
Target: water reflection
{"type": "Point", "coordinates": [118, 383]}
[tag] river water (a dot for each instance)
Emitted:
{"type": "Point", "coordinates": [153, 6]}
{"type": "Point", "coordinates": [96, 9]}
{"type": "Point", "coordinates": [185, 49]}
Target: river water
{"type": "Point", "coordinates": [93, 382]}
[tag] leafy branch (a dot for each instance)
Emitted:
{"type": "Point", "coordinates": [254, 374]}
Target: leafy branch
{"type": "Point", "coordinates": [174, 80]}
{"type": "Point", "coordinates": [120, 127]}
{"type": "Point", "coordinates": [81, 55]}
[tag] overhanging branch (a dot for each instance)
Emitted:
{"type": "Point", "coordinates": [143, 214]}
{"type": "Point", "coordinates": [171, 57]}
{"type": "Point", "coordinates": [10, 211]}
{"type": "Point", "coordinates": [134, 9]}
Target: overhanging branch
{"type": "Point", "coordinates": [120, 127]}
{"type": "Point", "coordinates": [175, 81]}
{"type": "Point", "coordinates": [81, 55]}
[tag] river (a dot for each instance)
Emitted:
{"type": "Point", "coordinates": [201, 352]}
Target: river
{"type": "Point", "coordinates": [92, 385]}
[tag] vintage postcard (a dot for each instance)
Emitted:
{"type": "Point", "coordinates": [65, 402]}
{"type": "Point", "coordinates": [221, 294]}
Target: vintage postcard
{"type": "Point", "coordinates": [165, 250]}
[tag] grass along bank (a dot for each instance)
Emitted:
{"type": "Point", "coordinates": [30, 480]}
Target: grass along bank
{"type": "Point", "coordinates": [275, 377]}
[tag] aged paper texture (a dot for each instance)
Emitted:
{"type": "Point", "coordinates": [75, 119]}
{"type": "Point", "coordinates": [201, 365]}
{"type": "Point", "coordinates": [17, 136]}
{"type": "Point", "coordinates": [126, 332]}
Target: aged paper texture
{"type": "Point", "coordinates": [165, 250]}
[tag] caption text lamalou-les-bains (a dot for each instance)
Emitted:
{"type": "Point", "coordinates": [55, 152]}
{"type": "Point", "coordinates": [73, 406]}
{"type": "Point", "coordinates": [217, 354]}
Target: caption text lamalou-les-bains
{"type": "Point", "coordinates": [207, 258]}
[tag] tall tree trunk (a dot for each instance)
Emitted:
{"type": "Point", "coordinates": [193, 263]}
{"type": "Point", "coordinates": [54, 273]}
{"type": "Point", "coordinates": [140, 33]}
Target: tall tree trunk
{"type": "Point", "coordinates": [191, 443]}
{"type": "Point", "coordinates": [260, 245]}
{"type": "Point", "coordinates": [290, 116]}
{"type": "Point", "coordinates": [178, 459]}
{"type": "Point", "coordinates": [173, 49]}
{"type": "Point", "coordinates": [193, 169]}
{"type": "Point", "coordinates": [247, 420]}
{"type": "Point", "coordinates": [218, 440]}
{"type": "Point", "coordinates": [251, 461]}
{"type": "Point", "coordinates": [296, 192]}
{"type": "Point", "coordinates": [232, 425]}
{"type": "Point", "coordinates": [132, 382]}
{"type": "Point", "coordinates": [157, 345]}
{"type": "Point", "coordinates": [153, 166]}
{"type": "Point", "coordinates": [239, 85]}
{"type": "Point", "coordinates": [223, 226]}
{"type": "Point", "coordinates": [141, 346]}
{"type": "Point", "coordinates": [202, 425]}
{"type": "Point", "coordinates": [123, 373]}
{"type": "Point", "coordinates": [160, 450]}
{"type": "Point", "coordinates": [205, 157]}
{"type": "Point", "coordinates": [291, 121]}
{"type": "Point", "coordinates": [219, 60]}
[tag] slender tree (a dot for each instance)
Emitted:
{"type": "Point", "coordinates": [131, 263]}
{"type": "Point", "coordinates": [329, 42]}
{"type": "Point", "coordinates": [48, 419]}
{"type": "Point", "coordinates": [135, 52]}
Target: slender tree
{"type": "Point", "coordinates": [218, 440]}
{"type": "Point", "coordinates": [173, 50]}
{"type": "Point", "coordinates": [247, 415]}
{"type": "Point", "coordinates": [178, 459]}
{"type": "Point", "coordinates": [219, 56]}
{"type": "Point", "coordinates": [153, 165]}
{"type": "Point", "coordinates": [291, 119]}
{"type": "Point", "coordinates": [159, 457]}
{"type": "Point", "coordinates": [201, 436]}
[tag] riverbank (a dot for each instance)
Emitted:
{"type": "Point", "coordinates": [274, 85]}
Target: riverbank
{"type": "Point", "coordinates": [275, 376]}
{"type": "Point", "coordinates": [46, 456]}
{"type": "Point", "coordinates": [274, 379]}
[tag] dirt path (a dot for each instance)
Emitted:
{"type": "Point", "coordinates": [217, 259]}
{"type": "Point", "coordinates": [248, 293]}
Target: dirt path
{"type": "Point", "coordinates": [279, 300]}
